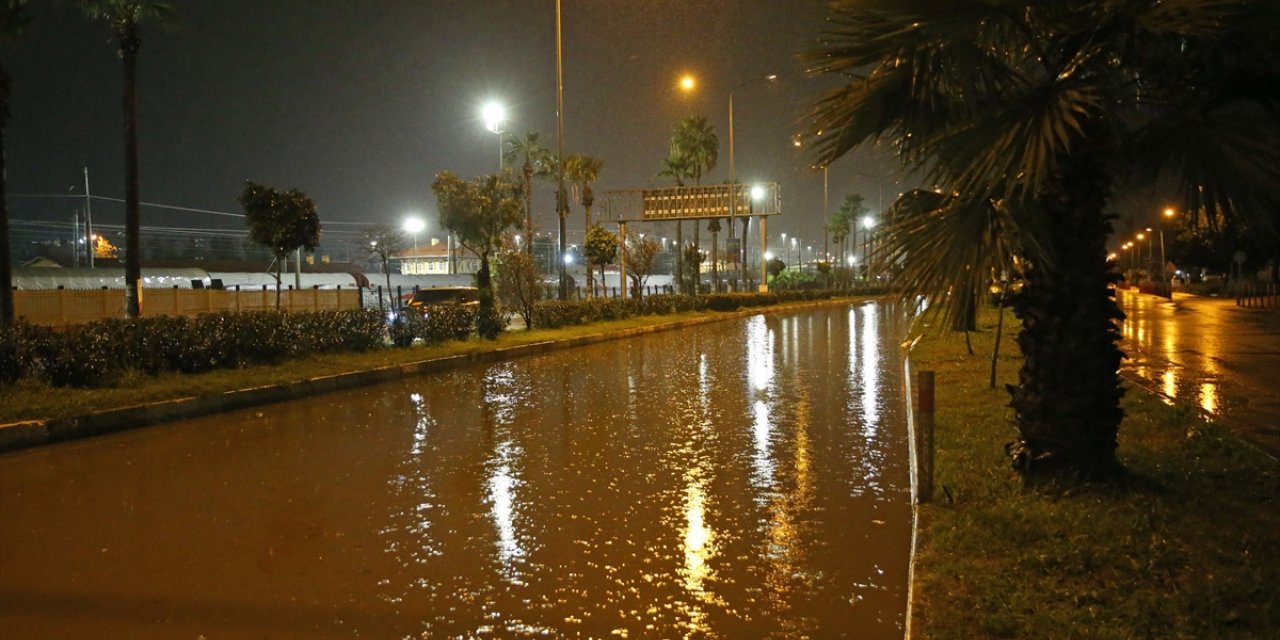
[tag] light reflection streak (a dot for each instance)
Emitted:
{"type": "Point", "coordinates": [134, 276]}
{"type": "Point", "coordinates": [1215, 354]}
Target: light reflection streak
{"type": "Point", "coordinates": [870, 371]}
{"type": "Point", "coordinates": [501, 398]}
{"type": "Point", "coordinates": [760, 375]}
{"type": "Point", "coordinates": [1209, 397]}
{"type": "Point", "coordinates": [1169, 382]}
{"type": "Point", "coordinates": [699, 539]}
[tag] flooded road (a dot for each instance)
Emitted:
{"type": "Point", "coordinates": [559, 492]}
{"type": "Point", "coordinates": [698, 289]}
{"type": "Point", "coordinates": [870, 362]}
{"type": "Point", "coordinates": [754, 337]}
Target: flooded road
{"type": "Point", "coordinates": [744, 479]}
{"type": "Point", "coordinates": [1210, 354]}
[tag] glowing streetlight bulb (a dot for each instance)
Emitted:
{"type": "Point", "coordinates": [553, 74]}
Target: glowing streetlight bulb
{"type": "Point", "coordinates": [757, 192]}
{"type": "Point", "coordinates": [868, 222]}
{"type": "Point", "coordinates": [1168, 213]}
{"type": "Point", "coordinates": [494, 115]}
{"type": "Point", "coordinates": [414, 225]}
{"type": "Point", "coordinates": [688, 83]}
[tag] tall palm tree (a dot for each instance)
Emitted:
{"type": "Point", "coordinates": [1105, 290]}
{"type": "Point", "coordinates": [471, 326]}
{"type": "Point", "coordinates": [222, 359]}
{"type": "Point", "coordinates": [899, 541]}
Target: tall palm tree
{"type": "Point", "coordinates": [13, 18]}
{"type": "Point", "coordinates": [582, 170]}
{"type": "Point", "coordinates": [695, 143]}
{"type": "Point", "coordinates": [536, 162]}
{"type": "Point", "coordinates": [1029, 115]}
{"type": "Point", "coordinates": [123, 16]}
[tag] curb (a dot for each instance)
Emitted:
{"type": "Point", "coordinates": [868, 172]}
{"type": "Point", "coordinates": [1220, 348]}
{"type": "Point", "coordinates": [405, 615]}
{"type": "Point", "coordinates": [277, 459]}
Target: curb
{"type": "Point", "coordinates": [33, 433]}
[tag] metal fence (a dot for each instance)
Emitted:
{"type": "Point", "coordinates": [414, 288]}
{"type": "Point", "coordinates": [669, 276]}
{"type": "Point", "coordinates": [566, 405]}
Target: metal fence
{"type": "Point", "coordinates": [61, 307]}
{"type": "Point", "coordinates": [1257, 295]}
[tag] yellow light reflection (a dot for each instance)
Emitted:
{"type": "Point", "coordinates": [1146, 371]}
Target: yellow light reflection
{"type": "Point", "coordinates": [870, 371]}
{"type": "Point", "coordinates": [1209, 397]}
{"type": "Point", "coordinates": [1169, 383]}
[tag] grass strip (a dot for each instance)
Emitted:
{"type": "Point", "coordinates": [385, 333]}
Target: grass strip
{"type": "Point", "coordinates": [1187, 547]}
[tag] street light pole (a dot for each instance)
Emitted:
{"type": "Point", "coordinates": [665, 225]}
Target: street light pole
{"type": "Point", "coordinates": [561, 205]}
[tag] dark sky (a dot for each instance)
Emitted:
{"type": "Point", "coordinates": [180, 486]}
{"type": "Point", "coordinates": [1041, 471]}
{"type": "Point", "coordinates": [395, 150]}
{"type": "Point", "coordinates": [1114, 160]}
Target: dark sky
{"type": "Point", "coordinates": [359, 103]}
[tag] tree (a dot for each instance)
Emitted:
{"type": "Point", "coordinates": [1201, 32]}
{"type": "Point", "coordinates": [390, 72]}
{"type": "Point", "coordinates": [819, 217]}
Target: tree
{"type": "Point", "coordinates": [13, 18]}
{"type": "Point", "coordinates": [639, 256]}
{"type": "Point", "coordinates": [1029, 116]}
{"type": "Point", "coordinates": [695, 147]}
{"type": "Point", "coordinates": [677, 169]}
{"type": "Point", "coordinates": [381, 241]}
{"type": "Point", "coordinates": [601, 248]}
{"type": "Point", "coordinates": [479, 213]}
{"type": "Point", "coordinates": [582, 170]}
{"type": "Point", "coordinates": [693, 258]}
{"type": "Point", "coordinates": [102, 248]}
{"type": "Point", "coordinates": [123, 17]}
{"type": "Point", "coordinates": [519, 283]}
{"type": "Point", "coordinates": [280, 221]}
{"type": "Point", "coordinates": [536, 162]}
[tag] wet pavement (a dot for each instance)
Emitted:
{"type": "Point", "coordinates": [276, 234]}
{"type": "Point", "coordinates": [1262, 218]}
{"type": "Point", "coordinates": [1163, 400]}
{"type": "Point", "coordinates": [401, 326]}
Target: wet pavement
{"type": "Point", "coordinates": [1211, 354]}
{"type": "Point", "coordinates": [741, 479]}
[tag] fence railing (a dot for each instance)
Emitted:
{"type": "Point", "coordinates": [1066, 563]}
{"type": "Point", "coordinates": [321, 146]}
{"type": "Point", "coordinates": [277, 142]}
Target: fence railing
{"type": "Point", "coordinates": [1256, 295]}
{"type": "Point", "coordinates": [61, 307]}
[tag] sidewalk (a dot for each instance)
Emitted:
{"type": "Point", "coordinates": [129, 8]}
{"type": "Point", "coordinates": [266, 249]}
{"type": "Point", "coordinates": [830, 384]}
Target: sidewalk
{"type": "Point", "coordinates": [1211, 354]}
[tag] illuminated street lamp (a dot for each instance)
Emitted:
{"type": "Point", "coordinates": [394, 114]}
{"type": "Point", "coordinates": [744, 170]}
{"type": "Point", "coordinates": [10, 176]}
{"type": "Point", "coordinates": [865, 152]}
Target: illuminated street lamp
{"type": "Point", "coordinates": [414, 225]}
{"type": "Point", "coordinates": [495, 115]}
{"type": "Point", "coordinates": [1168, 213]}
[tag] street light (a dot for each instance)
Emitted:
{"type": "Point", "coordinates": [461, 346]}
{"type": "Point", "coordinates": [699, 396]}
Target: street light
{"type": "Point", "coordinates": [414, 225]}
{"type": "Point", "coordinates": [1168, 213]}
{"type": "Point", "coordinates": [494, 115]}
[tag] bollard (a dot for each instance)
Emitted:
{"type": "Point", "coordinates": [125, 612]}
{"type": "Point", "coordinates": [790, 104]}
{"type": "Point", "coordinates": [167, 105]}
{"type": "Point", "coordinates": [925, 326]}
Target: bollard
{"type": "Point", "coordinates": [924, 437]}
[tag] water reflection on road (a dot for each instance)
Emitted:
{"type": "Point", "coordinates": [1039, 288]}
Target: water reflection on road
{"type": "Point", "coordinates": [1208, 353]}
{"type": "Point", "coordinates": [745, 479]}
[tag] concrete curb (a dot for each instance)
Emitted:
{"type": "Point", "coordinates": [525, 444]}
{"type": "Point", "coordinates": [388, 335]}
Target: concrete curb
{"type": "Point", "coordinates": [34, 433]}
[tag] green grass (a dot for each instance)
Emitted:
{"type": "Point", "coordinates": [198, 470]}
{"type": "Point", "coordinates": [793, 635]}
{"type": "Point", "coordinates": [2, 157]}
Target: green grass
{"type": "Point", "coordinates": [32, 401]}
{"type": "Point", "coordinates": [1187, 547]}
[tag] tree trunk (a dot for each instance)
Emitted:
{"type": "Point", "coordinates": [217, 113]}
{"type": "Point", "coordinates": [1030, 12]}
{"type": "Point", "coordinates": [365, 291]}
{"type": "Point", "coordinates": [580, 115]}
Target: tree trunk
{"type": "Point", "coordinates": [129, 44]}
{"type": "Point", "coordinates": [527, 170]}
{"type": "Point", "coordinates": [1067, 401]}
{"type": "Point", "coordinates": [680, 256]}
{"type": "Point", "coordinates": [6, 270]}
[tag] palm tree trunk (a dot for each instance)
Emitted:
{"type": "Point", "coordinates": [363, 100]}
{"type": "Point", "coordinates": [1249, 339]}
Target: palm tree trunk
{"type": "Point", "coordinates": [528, 206]}
{"type": "Point", "coordinates": [680, 256]}
{"type": "Point", "coordinates": [1067, 401]}
{"type": "Point", "coordinates": [591, 283]}
{"type": "Point", "coordinates": [129, 44]}
{"type": "Point", "coordinates": [6, 271]}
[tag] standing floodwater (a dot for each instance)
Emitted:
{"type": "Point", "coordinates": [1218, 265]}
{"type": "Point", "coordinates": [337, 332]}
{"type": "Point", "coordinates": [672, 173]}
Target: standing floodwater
{"type": "Point", "coordinates": [735, 480]}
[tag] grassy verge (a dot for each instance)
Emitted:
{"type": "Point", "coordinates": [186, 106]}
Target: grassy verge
{"type": "Point", "coordinates": [30, 401]}
{"type": "Point", "coordinates": [1188, 547]}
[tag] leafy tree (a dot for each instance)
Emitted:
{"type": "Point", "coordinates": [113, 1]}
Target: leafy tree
{"type": "Point", "coordinates": [1030, 116]}
{"type": "Point", "coordinates": [600, 249]}
{"type": "Point", "coordinates": [639, 257]}
{"type": "Point", "coordinates": [381, 241]}
{"type": "Point", "coordinates": [280, 221]}
{"type": "Point", "coordinates": [775, 267]}
{"type": "Point", "coordinates": [535, 162]}
{"type": "Point", "coordinates": [123, 17]}
{"type": "Point", "coordinates": [13, 18]}
{"type": "Point", "coordinates": [582, 170]}
{"type": "Point", "coordinates": [102, 248]}
{"type": "Point", "coordinates": [843, 222]}
{"type": "Point", "coordinates": [519, 283]}
{"type": "Point", "coordinates": [479, 213]}
{"type": "Point", "coordinates": [693, 258]}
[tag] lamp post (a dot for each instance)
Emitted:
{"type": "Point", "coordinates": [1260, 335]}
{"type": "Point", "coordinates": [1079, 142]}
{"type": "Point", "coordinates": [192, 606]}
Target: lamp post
{"type": "Point", "coordinates": [1168, 213]}
{"type": "Point", "coordinates": [494, 115]}
{"type": "Point", "coordinates": [414, 225]}
{"type": "Point", "coordinates": [868, 223]}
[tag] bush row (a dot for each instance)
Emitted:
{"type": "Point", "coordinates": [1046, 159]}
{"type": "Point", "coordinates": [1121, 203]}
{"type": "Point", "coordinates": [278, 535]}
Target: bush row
{"type": "Point", "coordinates": [90, 354]}
{"type": "Point", "coordinates": [433, 324]}
{"type": "Point", "coordinates": [555, 314]}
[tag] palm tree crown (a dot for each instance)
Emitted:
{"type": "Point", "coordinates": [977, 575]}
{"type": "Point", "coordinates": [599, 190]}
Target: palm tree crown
{"type": "Point", "coordinates": [1028, 116]}
{"type": "Point", "coordinates": [694, 144]}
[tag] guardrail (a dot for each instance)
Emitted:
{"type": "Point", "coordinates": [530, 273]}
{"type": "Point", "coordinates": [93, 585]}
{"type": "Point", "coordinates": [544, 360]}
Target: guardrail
{"type": "Point", "coordinates": [62, 307]}
{"type": "Point", "coordinates": [1256, 295]}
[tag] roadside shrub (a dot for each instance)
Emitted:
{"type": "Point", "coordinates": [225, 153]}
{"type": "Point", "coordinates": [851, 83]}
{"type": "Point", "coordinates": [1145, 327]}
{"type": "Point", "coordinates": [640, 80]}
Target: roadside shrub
{"type": "Point", "coordinates": [22, 349]}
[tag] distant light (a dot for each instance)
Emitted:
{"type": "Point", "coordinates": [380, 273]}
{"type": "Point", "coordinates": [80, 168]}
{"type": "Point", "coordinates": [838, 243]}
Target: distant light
{"type": "Point", "coordinates": [494, 115]}
{"type": "Point", "coordinates": [568, 258]}
{"type": "Point", "coordinates": [852, 260]}
{"type": "Point", "coordinates": [414, 225]}
{"type": "Point", "coordinates": [868, 222]}
{"type": "Point", "coordinates": [1168, 213]}
{"type": "Point", "coordinates": [768, 255]}
{"type": "Point", "coordinates": [771, 77]}
{"type": "Point", "coordinates": [757, 192]}
{"type": "Point", "coordinates": [688, 83]}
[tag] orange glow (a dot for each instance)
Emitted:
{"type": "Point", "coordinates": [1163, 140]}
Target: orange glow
{"type": "Point", "coordinates": [1168, 213]}
{"type": "Point", "coordinates": [688, 83]}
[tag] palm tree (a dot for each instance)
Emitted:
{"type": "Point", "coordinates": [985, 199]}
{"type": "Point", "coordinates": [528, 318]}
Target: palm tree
{"type": "Point", "coordinates": [1029, 116]}
{"type": "Point", "coordinates": [123, 16]}
{"type": "Point", "coordinates": [13, 18]}
{"type": "Point", "coordinates": [582, 170]}
{"type": "Point", "coordinates": [694, 144]}
{"type": "Point", "coordinates": [536, 162]}
{"type": "Point", "coordinates": [677, 168]}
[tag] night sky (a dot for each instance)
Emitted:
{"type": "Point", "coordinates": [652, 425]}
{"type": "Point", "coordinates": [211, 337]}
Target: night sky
{"type": "Point", "coordinates": [359, 104]}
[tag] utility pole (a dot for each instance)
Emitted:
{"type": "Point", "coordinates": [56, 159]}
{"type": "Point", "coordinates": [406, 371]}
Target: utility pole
{"type": "Point", "coordinates": [88, 217]}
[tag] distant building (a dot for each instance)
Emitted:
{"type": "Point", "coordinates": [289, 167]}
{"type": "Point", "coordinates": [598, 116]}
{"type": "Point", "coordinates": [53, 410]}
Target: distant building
{"type": "Point", "coordinates": [432, 258]}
